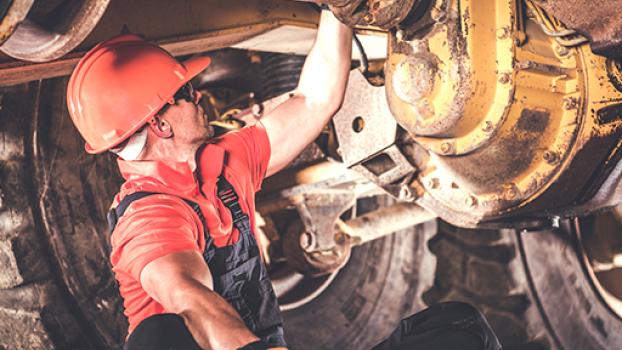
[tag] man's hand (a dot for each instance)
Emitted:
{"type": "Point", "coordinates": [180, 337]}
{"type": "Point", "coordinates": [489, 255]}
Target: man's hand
{"type": "Point", "coordinates": [298, 121]}
{"type": "Point", "coordinates": [182, 284]}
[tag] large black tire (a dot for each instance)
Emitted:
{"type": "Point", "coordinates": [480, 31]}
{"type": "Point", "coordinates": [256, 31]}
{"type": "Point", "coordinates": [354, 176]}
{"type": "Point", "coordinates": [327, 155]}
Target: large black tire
{"type": "Point", "coordinates": [56, 287]}
{"type": "Point", "coordinates": [532, 287]}
{"type": "Point", "coordinates": [575, 314]}
{"type": "Point", "coordinates": [485, 269]}
{"type": "Point", "coordinates": [380, 285]}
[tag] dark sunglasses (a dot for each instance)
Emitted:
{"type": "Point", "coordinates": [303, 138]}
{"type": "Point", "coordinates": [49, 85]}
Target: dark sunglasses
{"type": "Point", "coordinates": [186, 92]}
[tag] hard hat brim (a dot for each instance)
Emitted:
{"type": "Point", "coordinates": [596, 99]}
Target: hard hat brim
{"type": "Point", "coordinates": [194, 66]}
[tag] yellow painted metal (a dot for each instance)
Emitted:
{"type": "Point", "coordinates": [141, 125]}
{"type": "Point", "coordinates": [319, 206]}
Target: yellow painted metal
{"type": "Point", "coordinates": [510, 119]}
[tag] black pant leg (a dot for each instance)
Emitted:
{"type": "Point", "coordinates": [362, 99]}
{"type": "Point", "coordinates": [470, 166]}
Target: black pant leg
{"type": "Point", "coordinates": [447, 326]}
{"type": "Point", "coordinates": [161, 332]}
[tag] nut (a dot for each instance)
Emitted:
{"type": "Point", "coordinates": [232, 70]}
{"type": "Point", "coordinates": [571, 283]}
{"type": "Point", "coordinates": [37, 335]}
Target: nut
{"type": "Point", "coordinates": [550, 157]}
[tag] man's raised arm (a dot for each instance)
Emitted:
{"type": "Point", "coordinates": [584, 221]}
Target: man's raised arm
{"type": "Point", "coordinates": [297, 122]}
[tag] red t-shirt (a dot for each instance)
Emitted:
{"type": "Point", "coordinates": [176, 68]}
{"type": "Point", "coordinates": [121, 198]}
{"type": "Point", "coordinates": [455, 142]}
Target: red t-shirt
{"type": "Point", "coordinates": [158, 225]}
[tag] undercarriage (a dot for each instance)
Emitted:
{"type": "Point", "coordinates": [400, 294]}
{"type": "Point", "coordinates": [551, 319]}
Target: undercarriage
{"type": "Point", "coordinates": [475, 158]}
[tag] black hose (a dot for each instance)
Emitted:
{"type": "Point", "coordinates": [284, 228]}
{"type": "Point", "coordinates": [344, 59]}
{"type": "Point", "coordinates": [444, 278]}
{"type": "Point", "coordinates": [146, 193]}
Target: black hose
{"type": "Point", "coordinates": [359, 46]}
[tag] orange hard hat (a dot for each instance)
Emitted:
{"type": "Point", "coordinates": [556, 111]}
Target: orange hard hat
{"type": "Point", "coordinates": [120, 84]}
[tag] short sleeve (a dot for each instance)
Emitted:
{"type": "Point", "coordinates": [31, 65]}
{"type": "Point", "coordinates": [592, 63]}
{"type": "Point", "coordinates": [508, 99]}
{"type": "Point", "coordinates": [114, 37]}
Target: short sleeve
{"type": "Point", "coordinates": [151, 228]}
{"type": "Point", "coordinates": [251, 147]}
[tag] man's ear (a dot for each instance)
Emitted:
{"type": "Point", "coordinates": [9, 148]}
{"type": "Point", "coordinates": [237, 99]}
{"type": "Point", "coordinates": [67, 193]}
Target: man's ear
{"type": "Point", "coordinates": [161, 127]}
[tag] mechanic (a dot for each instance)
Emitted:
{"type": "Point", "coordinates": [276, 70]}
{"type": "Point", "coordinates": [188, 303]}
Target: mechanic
{"type": "Point", "coordinates": [184, 250]}
{"type": "Point", "coordinates": [184, 229]}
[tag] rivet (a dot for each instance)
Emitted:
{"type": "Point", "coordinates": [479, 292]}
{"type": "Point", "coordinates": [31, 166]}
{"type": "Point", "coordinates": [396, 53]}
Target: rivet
{"type": "Point", "coordinates": [446, 147]}
{"type": "Point", "coordinates": [368, 18]}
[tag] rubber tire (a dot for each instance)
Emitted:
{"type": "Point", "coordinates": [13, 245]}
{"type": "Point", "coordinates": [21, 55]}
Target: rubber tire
{"type": "Point", "coordinates": [575, 314]}
{"type": "Point", "coordinates": [532, 287]}
{"type": "Point", "coordinates": [56, 287]}
{"type": "Point", "coordinates": [380, 285]}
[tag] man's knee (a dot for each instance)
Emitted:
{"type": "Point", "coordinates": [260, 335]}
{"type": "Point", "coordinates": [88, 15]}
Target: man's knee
{"type": "Point", "coordinates": [451, 317]}
{"type": "Point", "coordinates": [450, 325]}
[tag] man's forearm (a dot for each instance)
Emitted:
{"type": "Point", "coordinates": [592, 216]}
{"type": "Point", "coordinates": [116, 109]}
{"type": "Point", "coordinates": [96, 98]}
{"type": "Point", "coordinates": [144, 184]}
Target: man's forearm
{"type": "Point", "coordinates": [321, 88]}
{"type": "Point", "coordinates": [325, 73]}
{"type": "Point", "coordinates": [213, 323]}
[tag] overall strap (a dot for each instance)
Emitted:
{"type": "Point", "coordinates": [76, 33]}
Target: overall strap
{"type": "Point", "coordinates": [226, 194]}
{"type": "Point", "coordinates": [117, 212]}
{"type": "Point", "coordinates": [230, 199]}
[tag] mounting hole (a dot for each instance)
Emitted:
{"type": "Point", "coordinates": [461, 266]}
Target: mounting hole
{"type": "Point", "coordinates": [358, 124]}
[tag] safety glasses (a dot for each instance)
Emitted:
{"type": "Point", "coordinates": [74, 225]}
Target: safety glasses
{"type": "Point", "coordinates": [186, 92]}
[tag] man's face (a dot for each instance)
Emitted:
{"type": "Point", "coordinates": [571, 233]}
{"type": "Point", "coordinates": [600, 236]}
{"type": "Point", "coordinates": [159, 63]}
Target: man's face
{"type": "Point", "coordinates": [188, 119]}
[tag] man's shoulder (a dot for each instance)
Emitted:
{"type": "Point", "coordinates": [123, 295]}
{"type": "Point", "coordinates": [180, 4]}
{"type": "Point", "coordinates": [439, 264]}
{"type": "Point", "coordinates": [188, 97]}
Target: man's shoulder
{"type": "Point", "coordinates": [145, 210]}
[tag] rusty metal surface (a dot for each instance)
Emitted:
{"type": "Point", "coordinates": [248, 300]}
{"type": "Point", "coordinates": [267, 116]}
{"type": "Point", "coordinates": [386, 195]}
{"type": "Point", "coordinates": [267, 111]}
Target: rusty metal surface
{"type": "Point", "coordinates": [15, 14]}
{"type": "Point", "coordinates": [385, 14]}
{"type": "Point", "coordinates": [49, 36]}
{"type": "Point", "coordinates": [596, 19]}
{"type": "Point", "coordinates": [361, 130]}
{"type": "Point", "coordinates": [514, 126]}
{"type": "Point", "coordinates": [391, 171]}
{"type": "Point", "coordinates": [383, 221]}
